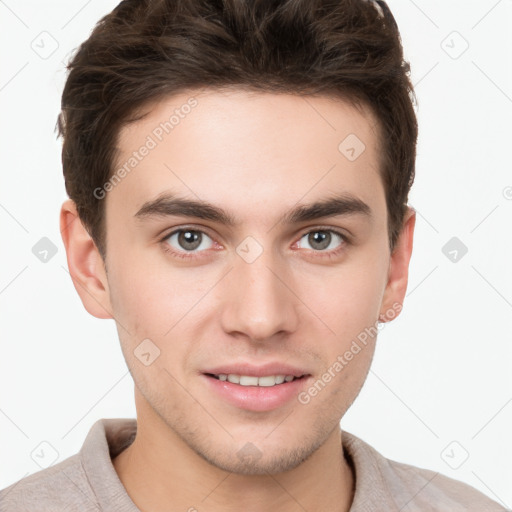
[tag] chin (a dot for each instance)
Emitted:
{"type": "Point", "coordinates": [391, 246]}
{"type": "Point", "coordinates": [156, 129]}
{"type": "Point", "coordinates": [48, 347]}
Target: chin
{"type": "Point", "coordinates": [250, 460]}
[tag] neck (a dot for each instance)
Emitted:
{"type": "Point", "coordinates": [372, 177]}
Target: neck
{"type": "Point", "coordinates": [161, 472]}
{"type": "Point", "coordinates": [177, 478]}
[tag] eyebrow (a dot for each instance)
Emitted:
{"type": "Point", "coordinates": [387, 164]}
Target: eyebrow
{"type": "Point", "coordinates": [169, 204]}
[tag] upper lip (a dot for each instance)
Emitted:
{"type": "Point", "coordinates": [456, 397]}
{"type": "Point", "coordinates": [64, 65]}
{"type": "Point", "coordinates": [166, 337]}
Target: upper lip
{"type": "Point", "coordinates": [264, 370]}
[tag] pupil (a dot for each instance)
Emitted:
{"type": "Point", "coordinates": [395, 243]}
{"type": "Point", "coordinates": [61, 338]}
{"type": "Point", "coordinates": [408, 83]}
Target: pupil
{"type": "Point", "coordinates": [189, 239]}
{"type": "Point", "coordinates": [322, 238]}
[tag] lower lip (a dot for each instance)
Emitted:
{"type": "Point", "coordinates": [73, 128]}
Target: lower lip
{"type": "Point", "coordinates": [256, 398]}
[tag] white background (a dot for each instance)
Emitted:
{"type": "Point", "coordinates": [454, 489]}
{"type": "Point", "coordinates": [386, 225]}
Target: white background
{"type": "Point", "coordinates": [441, 372]}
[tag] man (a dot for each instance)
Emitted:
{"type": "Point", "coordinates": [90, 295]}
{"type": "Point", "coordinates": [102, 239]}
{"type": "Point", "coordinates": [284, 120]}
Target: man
{"type": "Point", "coordinates": [238, 175]}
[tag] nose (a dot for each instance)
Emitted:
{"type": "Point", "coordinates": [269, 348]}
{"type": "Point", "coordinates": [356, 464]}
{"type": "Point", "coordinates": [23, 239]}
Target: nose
{"type": "Point", "coordinates": [260, 302]}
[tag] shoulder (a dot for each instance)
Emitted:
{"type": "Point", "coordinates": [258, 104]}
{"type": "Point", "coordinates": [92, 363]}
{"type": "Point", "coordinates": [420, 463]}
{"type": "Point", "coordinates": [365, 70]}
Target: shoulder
{"type": "Point", "coordinates": [423, 489]}
{"type": "Point", "coordinates": [62, 487]}
{"type": "Point", "coordinates": [409, 488]}
{"type": "Point", "coordinates": [86, 481]}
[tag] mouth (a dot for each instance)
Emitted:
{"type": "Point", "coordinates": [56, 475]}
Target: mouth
{"type": "Point", "coordinates": [261, 393]}
{"type": "Point", "coordinates": [252, 380]}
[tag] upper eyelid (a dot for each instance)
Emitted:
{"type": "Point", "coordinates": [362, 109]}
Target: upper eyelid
{"type": "Point", "coordinates": [186, 228]}
{"type": "Point", "coordinates": [344, 237]}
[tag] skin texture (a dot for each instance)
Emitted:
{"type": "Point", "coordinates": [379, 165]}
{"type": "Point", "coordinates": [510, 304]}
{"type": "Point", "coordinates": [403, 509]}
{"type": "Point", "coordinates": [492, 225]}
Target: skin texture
{"type": "Point", "coordinates": [257, 156]}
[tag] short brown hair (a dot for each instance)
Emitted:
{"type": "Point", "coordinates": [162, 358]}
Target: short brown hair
{"type": "Point", "coordinates": [145, 50]}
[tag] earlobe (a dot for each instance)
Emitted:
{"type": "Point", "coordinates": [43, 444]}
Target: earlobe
{"type": "Point", "coordinates": [85, 264]}
{"type": "Point", "coordinates": [398, 270]}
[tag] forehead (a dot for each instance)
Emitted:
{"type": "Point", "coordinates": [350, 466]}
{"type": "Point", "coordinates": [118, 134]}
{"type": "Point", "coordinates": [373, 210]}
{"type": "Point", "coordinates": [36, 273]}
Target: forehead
{"type": "Point", "coordinates": [248, 149]}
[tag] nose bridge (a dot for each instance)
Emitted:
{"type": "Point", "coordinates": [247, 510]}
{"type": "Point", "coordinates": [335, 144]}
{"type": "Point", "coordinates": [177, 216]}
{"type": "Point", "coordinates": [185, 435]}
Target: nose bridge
{"type": "Point", "coordinates": [259, 304]}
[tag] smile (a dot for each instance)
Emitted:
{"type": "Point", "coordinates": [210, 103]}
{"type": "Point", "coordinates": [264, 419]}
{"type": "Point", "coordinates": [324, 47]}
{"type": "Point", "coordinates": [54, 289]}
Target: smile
{"type": "Point", "coordinates": [249, 380]}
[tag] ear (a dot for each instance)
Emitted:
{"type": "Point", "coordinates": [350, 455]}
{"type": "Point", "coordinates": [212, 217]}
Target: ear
{"type": "Point", "coordinates": [398, 273]}
{"type": "Point", "coordinates": [85, 264]}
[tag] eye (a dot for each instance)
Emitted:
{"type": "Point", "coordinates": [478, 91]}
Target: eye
{"type": "Point", "coordinates": [189, 240]}
{"type": "Point", "coordinates": [323, 240]}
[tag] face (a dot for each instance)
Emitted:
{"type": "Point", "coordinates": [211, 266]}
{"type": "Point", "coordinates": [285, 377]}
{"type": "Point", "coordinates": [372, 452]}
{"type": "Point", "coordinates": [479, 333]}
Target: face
{"type": "Point", "coordinates": [217, 264]}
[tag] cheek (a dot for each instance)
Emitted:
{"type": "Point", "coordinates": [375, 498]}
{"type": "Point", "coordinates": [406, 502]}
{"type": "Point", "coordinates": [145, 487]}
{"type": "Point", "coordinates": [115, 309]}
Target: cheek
{"type": "Point", "coordinates": [152, 302]}
{"type": "Point", "coordinates": [148, 310]}
{"type": "Point", "coordinates": [349, 299]}
{"type": "Point", "coordinates": [138, 303]}
{"type": "Point", "coordinates": [147, 296]}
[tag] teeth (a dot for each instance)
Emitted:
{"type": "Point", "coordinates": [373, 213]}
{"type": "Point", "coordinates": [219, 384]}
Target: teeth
{"type": "Point", "coordinates": [248, 380]}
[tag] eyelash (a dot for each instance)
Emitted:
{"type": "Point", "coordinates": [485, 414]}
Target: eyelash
{"type": "Point", "coordinates": [191, 255]}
